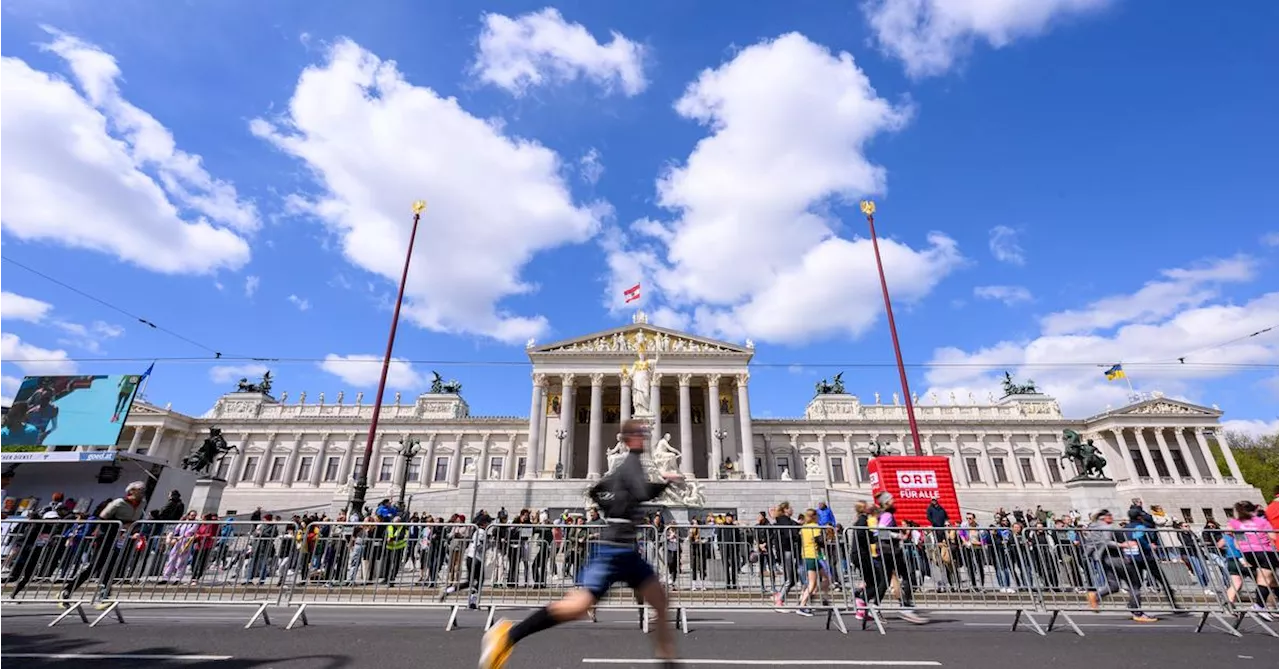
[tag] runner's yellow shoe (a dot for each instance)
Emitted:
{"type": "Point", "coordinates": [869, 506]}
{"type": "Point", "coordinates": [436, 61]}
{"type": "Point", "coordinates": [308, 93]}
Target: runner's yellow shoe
{"type": "Point", "coordinates": [496, 647]}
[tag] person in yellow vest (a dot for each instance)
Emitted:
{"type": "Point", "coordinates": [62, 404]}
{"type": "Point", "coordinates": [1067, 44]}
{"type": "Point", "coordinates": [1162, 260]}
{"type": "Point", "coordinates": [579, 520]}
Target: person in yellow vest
{"type": "Point", "coordinates": [397, 538]}
{"type": "Point", "coordinates": [811, 552]}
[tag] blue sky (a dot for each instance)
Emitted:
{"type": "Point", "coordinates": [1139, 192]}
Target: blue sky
{"type": "Point", "coordinates": [1086, 183]}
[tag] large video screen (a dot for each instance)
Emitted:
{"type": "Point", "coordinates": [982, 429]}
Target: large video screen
{"type": "Point", "coordinates": [68, 411]}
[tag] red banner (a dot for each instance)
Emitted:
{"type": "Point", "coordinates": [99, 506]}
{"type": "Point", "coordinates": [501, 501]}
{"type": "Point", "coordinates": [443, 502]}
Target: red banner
{"type": "Point", "coordinates": [914, 481]}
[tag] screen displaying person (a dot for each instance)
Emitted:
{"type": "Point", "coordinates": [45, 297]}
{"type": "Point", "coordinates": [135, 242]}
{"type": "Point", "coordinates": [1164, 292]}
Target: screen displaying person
{"type": "Point", "coordinates": [127, 386]}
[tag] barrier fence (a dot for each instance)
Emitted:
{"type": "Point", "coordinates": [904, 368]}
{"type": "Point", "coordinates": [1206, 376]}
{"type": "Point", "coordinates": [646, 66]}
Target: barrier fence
{"type": "Point", "coordinates": [873, 573]}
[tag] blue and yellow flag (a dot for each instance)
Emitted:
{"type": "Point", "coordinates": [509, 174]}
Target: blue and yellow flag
{"type": "Point", "coordinates": [1115, 372]}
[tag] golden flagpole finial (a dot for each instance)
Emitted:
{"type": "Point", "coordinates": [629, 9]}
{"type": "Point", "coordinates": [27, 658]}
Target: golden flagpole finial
{"type": "Point", "coordinates": [868, 207]}
{"type": "Point", "coordinates": [419, 206]}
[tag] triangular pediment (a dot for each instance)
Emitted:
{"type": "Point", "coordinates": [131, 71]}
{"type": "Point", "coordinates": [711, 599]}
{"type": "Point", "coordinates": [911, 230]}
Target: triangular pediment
{"type": "Point", "coordinates": [1164, 406]}
{"type": "Point", "coordinates": [144, 409]}
{"type": "Point", "coordinates": [657, 341]}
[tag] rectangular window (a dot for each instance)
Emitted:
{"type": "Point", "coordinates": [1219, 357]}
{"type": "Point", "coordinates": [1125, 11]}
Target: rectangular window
{"type": "Point", "coordinates": [415, 469]}
{"type": "Point", "coordinates": [224, 467]}
{"type": "Point", "coordinates": [971, 468]}
{"type": "Point", "coordinates": [358, 466]}
{"type": "Point", "coordinates": [1161, 467]}
{"type": "Point", "coordinates": [1138, 463]}
{"type": "Point", "coordinates": [331, 468]}
{"type": "Point", "coordinates": [468, 464]}
{"type": "Point", "coordinates": [1186, 515]}
{"type": "Point", "coordinates": [1228, 512]}
{"type": "Point", "coordinates": [784, 466]}
{"type": "Point", "coordinates": [1180, 464]}
{"type": "Point", "coordinates": [304, 467]}
{"type": "Point", "coordinates": [385, 468]}
{"type": "Point", "coordinates": [837, 470]}
{"type": "Point", "coordinates": [250, 467]}
{"type": "Point", "coordinates": [863, 474]}
{"type": "Point", "coordinates": [495, 466]}
{"type": "Point", "coordinates": [277, 469]}
{"type": "Point", "coordinates": [1028, 473]}
{"type": "Point", "coordinates": [521, 464]}
{"type": "Point", "coordinates": [1054, 466]}
{"type": "Point", "coordinates": [1208, 513]}
{"type": "Point", "coordinates": [441, 472]}
{"type": "Point", "coordinates": [759, 467]}
{"type": "Point", "coordinates": [1002, 476]}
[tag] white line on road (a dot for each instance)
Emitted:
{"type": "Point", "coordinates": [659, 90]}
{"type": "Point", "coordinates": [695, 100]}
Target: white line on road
{"type": "Point", "coordinates": [776, 663]}
{"type": "Point", "coordinates": [86, 656]}
{"type": "Point", "coordinates": [1112, 625]}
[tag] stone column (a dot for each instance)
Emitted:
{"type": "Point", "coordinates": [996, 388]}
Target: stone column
{"type": "Point", "coordinates": [686, 426]}
{"type": "Point", "coordinates": [136, 441]}
{"type": "Point", "coordinates": [624, 400]}
{"type": "Point", "coordinates": [537, 416]}
{"type": "Point", "coordinates": [963, 478]}
{"type": "Point", "coordinates": [398, 465]}
{"type": "Point", "coordinates": [1039, 464]}
{"type": "Point", "coordinates": [455, 462]}
{"type": "Point", "coordinates": [1012, 462]}
{"type": "Point", "coordinates": [1167, 455]}
{"type": "Point", "coordinates": [1207, 454]}
{"type": "Point", "coordinates": [1145, 450]}
{"type": "Point", "coordinates": [824, 458]}
{"type": "Point", "coordinates": [320, 462]}
{"type": "Point", "coordinates": [482, 467]}
{"type": "Point", "coordinates": [713, 418]}
{"type": "Point", "coordinates": [568, 409]}
{"type": "Point", "coordinates": [1226, 453]}
{"type": "Point", "coordinates": [744, 421]}
{"type": "Point", "coordinates": [1130, 467]}
{"type": "Point", "coordinates": [991, 463]}
{"type": "Point", "coordinates": [595, 449]}
{"type": "Point", "coordinates": [428, 462]}
{"type": "Point", "coordinates": [509, 461]}
{"type": "Point", "coordinates": [154, 449]}
{"type": "Point", "coordinates": [655, 408]}
{"type": "Point", "coordinates": [347, 469]}
{"type": "Point", "coordinates": [1187, 456]}
{"type": "Point", "coordinates": [264, 461]}
{"type": "Point", "coordinates": [237, 462]}
{"type": "Point", "coordinates": [291, 462]}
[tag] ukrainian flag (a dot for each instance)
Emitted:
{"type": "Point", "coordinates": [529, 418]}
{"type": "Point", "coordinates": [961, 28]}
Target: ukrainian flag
{"type": "Point", "coordinates": [1116, 372]}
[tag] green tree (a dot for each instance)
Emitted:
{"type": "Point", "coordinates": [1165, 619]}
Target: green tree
{"type": "Point", "coordinates": [1258, 457]}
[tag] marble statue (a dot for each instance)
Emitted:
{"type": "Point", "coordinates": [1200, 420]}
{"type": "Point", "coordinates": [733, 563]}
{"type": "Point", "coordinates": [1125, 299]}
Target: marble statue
{"type": "Point", "coordinates": [617, 454]}
{"type": "Point", "coordinates": [953, 398]}
{"type": "Point", "coordinates": [397, 399]}
{"type": "Point", "coordinates": [359, 398]}
{"type": "Point", "coordinates": [877, 398]}
{"type": "Point", "coordinates": [896, 400]}
{"type": "Point", "coordinates": [785, 475]}
{"type": "Point", "coordinates": [972, 399]}
{"type": "Point", "coordinates": [665, 456]}
{"type": "Point", "coordinates": [322, 397]}
{"type": "Point", "coordinates": [341, 393]}
{"type": "Point", "coordinates": [302, 397]}
{"type": "Point", "coordinates": [812, 470]}
{"type": "Point", "coordinates": [284, 396]}
{"type": "Point", "coordinates": [640, 377]}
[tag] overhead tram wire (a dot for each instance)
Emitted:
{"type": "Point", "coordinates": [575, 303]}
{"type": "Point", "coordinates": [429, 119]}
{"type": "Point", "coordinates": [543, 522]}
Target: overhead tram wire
{"type": "Point", "coordinates": [149, 323]}
{"type": "Point", "coordinates": [773, 365]}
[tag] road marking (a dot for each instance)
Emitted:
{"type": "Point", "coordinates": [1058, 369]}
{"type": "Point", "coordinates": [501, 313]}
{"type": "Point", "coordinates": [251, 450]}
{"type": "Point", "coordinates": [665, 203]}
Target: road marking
{"type": "Point", "coordinates": [86, 656]}
{"type": "Point", "coordinates": [691, 622]}
{"type": "Point", "coordinates": [1112, 625]}
{"type": "Point", "coordinates": [776, 663]}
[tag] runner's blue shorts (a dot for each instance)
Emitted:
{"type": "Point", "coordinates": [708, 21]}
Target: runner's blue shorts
{"type": "Point", "coordinates": [613, 564]}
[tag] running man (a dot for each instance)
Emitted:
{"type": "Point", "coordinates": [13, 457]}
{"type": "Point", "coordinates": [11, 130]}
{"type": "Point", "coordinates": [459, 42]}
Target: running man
{"type": "Point", "coordinates": [619, 496]}
{"type": "Point", "coordinates": [127, 386]}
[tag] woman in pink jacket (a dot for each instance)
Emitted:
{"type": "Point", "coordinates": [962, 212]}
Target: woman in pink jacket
{"type": "Point", "coordinates": [1253, 538]}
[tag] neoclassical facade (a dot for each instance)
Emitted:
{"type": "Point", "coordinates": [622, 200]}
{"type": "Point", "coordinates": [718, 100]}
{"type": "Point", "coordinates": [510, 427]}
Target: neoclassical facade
{"type": "Point", "coordinates": [302, 453]}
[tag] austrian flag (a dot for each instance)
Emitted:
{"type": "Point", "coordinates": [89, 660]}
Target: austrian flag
{"type": "Point", "coordinates": [632, 294]}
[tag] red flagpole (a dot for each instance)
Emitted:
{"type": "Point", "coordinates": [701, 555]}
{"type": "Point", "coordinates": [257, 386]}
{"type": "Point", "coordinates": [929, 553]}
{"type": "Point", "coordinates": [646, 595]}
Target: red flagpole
{"type": "Point", "coordinates": [869, 208]}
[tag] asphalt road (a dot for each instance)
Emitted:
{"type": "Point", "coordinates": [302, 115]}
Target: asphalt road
{"type": "Point", "coordinates": [393, 638]}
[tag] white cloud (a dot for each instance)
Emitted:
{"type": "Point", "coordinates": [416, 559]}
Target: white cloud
{"type": "Point", "coordinates": [21, 308]}
{"type": "Point", "coordinates": [590, 167]}
{"type": "Point", "coordinates": [930, 36]}
{"type": "Point", "coordinates": [541, 48]}
{"type": "Point", "coordinates": [1181, 288]}
{"type": "Point", "coordinates": [363, 371]}
{"type": "Point", "coordinates": [33, 360]}
{"type": "Point", "coordinates": [493, 201]}
{"type": "Point", "coordinates": [251, 284]}
{"type": "Point", "coordinates": [1068, 362]}
{"type": "Point", "coordinates": [754, 249]}
{"type": "Point", "coordinates": [301, 303]}
{"type": "Point", "coordinates": [1271, 239]}
{"type": "Point", "coordinates": [1010, 295]}
{"type": "Point", "coordinates": [9, 386]}
{"type": "Point", "coordinates": [232, 373]}
{"type": "Point", "coordinates": [1003, 242]}
{"type": "Point", "coordinates": [76, 172]}
{"type": "Point", "coordinates": [1253, 428]}
{"type": "Point", "coordinates": [88, 337]}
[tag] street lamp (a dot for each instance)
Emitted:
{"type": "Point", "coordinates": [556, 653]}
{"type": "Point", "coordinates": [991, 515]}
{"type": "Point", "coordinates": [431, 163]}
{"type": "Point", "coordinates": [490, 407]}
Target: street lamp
{"type": "Point", "coordinates": [560, 434]}
{"type": "Point", "coordinates": [720, 435]}
{"type": "Point", "coordinates": [869, 210]}
{"type": "Point", "coordinates": [361, 488]}
{"type": "Point", "coordinates": [408, 449]}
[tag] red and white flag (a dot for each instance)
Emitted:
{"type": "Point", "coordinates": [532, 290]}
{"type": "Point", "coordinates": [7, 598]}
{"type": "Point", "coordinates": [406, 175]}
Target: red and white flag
{"type": "Point", "coordinates": [632, 294]}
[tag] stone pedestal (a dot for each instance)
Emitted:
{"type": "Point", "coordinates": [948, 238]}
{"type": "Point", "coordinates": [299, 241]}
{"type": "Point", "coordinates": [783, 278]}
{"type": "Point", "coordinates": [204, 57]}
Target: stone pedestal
{"type": "Point", "coordinates": [1089, 495]}
{"type": "Point", "coordinates": [206, 496]}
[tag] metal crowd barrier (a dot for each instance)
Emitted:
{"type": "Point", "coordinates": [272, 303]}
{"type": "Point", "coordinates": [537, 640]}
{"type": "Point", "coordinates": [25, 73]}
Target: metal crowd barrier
{"type": "Point", "coordinates": [421, 565]}
{"type": "Point", "coordinates": [59, 561]}
{"type": "Point", "coordinates": [750, 567]}
{"type": "Point", "coordinates": [528, 566]}
{"type": "Point", "coordinates": [873, 572]}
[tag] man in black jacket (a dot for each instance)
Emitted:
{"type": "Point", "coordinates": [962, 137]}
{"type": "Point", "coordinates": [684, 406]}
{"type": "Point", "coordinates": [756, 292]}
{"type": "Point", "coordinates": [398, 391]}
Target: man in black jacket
{"type": "Point", "coordinates": [619, 495]}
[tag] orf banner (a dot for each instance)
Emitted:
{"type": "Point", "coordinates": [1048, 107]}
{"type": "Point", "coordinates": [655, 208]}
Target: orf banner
{"type": "Point", "coordinates": [914, 481]}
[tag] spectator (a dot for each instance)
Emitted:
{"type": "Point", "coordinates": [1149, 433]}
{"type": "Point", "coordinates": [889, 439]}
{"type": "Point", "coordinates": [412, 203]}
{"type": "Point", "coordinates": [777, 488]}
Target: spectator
{"type": "Point", "coordinates": [936, 514]}
{"type": "Point", "coordinates": [826, 517]}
